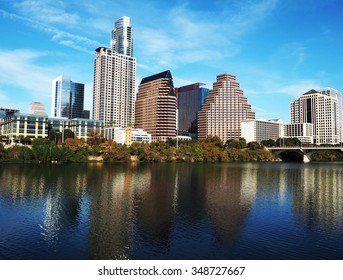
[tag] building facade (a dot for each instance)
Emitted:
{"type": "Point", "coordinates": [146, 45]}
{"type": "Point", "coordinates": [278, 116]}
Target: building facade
{"type": "Point", "coordinates": [323, 110]}
{"type": "Point", "coordinates": [223, 110]}
{"type": "Point", "coordinates": [122, 41]}
{"type": "Point", "coordinates": [37, 126]}
{"type": "Point", "coordinates": [67, 98]}
{"type": "Point", "coordinates": [302, 131]}
{"type": "Point", "coordinates": [190, 98]}
{"type": "Point", "coordinates": [260, 130]}
{"type": "Point", "coordinates": [115, 78]}
{"type": "Point", "coordinates": [127, 135]}
{"type": "Point", "coordinates": [4, 112]}
{"type": "Point", "coordinates": [156, 106]}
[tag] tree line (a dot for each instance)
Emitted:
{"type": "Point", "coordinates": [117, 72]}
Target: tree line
{"type": "Point", "coordinates": [212, 149]}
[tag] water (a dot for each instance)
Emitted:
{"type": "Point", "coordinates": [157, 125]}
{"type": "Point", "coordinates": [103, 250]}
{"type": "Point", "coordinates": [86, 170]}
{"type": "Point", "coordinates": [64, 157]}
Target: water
{"type": "Point", "coordinates": [171, 211]}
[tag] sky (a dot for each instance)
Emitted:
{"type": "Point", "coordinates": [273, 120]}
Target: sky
{"type": "Point", "coordinates": [277, 49]}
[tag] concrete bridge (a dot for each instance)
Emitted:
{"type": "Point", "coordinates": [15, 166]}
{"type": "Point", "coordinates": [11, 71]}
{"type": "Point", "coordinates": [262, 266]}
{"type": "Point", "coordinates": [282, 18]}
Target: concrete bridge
{"type": "Point", "coordinates": [304, 151]}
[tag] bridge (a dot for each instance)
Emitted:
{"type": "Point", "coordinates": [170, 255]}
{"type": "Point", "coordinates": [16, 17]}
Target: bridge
{"type": "Point", "coordinates": [304, 151]}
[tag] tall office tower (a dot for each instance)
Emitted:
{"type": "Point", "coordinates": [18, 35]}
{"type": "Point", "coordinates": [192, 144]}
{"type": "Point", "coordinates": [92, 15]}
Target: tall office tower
{"type": "Point", "coordinates": [67, 98]}
{"type": "Point", "coordinates": [224, 109]}
{"type": "Point", "coordinates": [37, 108]}
{"type": "Point", "coordinates": [190, 99]}
{"type": "Point", "coordinates": [122, 37]}
{"type": "Point", "coordinates": [323, 109]}
{"type": "Point", "coordinates": [115, 78]}
{"type": "Point", "coordinates": [156, 106]}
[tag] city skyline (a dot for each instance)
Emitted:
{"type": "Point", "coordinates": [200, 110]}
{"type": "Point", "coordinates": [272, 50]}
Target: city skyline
{"type": "Point", "coordinates": [274, 48]}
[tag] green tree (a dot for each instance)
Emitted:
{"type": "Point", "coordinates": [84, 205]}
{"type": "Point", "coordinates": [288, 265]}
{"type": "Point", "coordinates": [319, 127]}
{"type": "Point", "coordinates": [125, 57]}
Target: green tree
{"type": "Point", "coordinates": [68, 134]}
{"type": "Point", "coordinates": [254, 146]}
{"type": "Point", "coordinates": [268, 143]}
{"type": "Point", "coordinates": [41, 149]}
{"type": "Point", "coordinates": [24, 153]}
{"type": "Point", "coordinates": [112, 151]}
{"type": "Point", "coordinates": [240, 143]}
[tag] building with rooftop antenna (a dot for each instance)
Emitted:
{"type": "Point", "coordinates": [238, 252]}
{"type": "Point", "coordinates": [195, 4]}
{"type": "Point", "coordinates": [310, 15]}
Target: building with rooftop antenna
{"type": "Point", "coordinates": [114, 91]}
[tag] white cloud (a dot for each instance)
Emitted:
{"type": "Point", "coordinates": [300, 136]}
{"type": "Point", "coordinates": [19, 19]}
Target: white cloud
{"type": "Point", "coordinates": [297, 88]}
{"type": "Point", "coordinates": [190, 36]}
{"type": "Point", "coordinates": [49, 12]}
{"type": "Point", "coordinates": [19, 70]}
{"type": "Point", "coordinates": [77, 42]}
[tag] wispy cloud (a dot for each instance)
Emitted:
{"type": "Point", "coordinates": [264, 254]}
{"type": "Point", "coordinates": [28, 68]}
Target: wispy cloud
{"type": "Point", "coordinates": [77, 42]}
{"type": "Point", "coordinates": [49, 12]}
{"type": "Point", "coordinates": [19, 70]}
{"type": "Point", "coordinates": [193, 36]}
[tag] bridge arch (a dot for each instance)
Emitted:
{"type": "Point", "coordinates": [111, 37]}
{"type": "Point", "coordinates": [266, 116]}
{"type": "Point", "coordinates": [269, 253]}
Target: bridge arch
{"type": "Point", "coordinates": [304, 152]}
{"type": "Point", "coordinates": [293, 155]}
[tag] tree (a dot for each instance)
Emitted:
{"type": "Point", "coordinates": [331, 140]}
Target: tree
{"type": "Point", "coordinates": [240, 143]}
{"type": "Point", "coordinates": [254, 146]}
{"type": "Point", "coordinates": [94, 138]}
{"type": "Point", "coordinates": [215, 140]}
{"type": "Point", "coordinates": [288, 142]}
{"type": "Point", "coordinates": [68, 134]}
{"type": "Point", "coordinates": [112, 151]}
{"type": "Point", "coordinates": [268, 143]}
{"type": "Point", "coordinates": [41, 149]}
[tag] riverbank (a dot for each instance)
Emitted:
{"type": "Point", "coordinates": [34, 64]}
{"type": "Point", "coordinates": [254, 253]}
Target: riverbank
{"type": "Point", "coordinates": [209, 150]}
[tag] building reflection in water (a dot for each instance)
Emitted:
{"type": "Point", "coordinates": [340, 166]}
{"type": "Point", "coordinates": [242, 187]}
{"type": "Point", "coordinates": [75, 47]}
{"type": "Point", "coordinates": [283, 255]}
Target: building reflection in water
{"type": "Point", "coordinates": [230, 191]}
{"type": "Point", "coordinates": [318, 198]}
{"type": "Point", "coordinates": [49, 195]}
{"type": "Point", "coordinates": [116, 211]}
{"type": "Point", "coordinates": [110, 212]}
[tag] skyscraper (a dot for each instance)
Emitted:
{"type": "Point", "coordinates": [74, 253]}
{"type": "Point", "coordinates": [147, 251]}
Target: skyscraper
{"type": "Point", "coordinates": [37, 108]}
{"type": "Point", "coordinates": [122, 37]}
{"type": "Point", "coordinates": [190, 99]}
{"type": "Point", "coordinates": [321, 108]}
{"type": "Point", "coordinates": [224, 109]}
{"type": "Point", "coordinates": [156, 106]}
{"type": "Point", "coordinates": [67, 98]}
{"type": "Point", "coordinates": [115, 78]}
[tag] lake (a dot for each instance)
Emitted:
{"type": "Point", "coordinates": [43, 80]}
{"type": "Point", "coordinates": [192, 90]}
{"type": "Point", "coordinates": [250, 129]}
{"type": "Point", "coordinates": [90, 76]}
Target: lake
{"type": "Point", "coordinates": [171, 211]}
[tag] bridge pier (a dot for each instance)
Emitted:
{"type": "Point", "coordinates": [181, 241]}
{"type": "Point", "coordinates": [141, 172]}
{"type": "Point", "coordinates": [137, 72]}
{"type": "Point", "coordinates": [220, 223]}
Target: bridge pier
{"type": "Point", "coordinates": [306, 159]}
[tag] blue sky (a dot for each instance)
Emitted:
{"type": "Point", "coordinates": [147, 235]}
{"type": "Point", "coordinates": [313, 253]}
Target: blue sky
{"type": "Point", "coordinates": [277, 49]}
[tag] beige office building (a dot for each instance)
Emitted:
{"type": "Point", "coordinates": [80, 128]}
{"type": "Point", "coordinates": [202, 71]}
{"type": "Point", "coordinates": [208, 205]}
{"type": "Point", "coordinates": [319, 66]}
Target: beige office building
{"type": "Point", "coordinates": [323, 110]}
{"type": "Point", "coordinates": [155, 110]}
{"type": "Point", "coordinates": [223, 110]}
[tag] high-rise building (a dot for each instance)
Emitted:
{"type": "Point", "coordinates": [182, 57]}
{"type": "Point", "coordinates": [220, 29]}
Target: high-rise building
{"type": "Point", "coordinates": [190, 99]}
{"type": "Point", "coordinates": [115, 78]}
{"type": "Point", "coordinates": [37, 108]}
{"type": "Point", "coordinates": [223, 110]}
{"type": "Point", "coordinates": [122, 37]}
{"type": "Point", "coordinates": [156, 106]}
{"type": "Point", "coordinates": [322, 109]}
{"type": "Point", "coordinates": [67, 98]}
{"type": "Point", "coordinates": [260, 130]}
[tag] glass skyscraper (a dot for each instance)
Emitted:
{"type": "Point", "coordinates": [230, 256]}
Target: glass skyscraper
{"type": "Point", "coordinates": [67, 98]}
{"type": "Point", "coordinates": [114, 92]}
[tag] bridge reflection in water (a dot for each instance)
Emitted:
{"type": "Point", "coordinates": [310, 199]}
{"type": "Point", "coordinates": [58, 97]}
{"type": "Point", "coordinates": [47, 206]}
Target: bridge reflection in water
{"type": "Point", "coordinates": [305, 152]}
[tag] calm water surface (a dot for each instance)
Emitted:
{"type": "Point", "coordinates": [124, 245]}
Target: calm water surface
{"type": "Point", "coordinates": [171, 211]}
